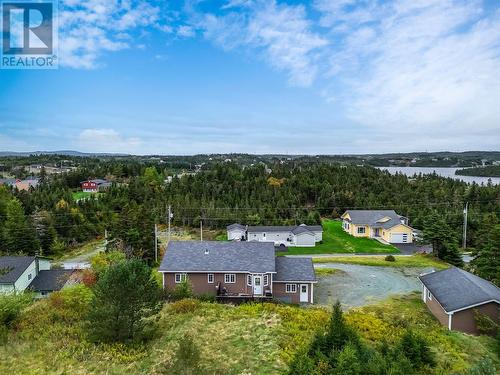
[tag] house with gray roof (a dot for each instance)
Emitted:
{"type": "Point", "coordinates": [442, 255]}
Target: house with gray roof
{"type": "Point", "coordinates": [239, 269]}
{"type": "Point", "coordinates": [295, 235]}
{"type": "Point", "coordinates": [455, 297]}
{"type": "Point", "coordinates": [384, 225]}
{"type": "Point", "coordinates": [33, 273]}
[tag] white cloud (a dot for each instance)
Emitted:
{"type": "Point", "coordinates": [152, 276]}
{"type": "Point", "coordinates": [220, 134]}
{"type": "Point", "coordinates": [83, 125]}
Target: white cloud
{"type": "Point", "coordinates": [280, 33]}
{"type": "Point", "coordinates": [107, 140]}
{"type": "Point", "coordinates": [89, 28]}
{"type": "Point", "coordinates": [186, 31]}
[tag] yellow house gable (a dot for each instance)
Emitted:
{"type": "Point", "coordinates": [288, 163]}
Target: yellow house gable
{"type": "Point", "coordinates": [345, 215]}
{"type": "Point", "coordinates": [400, 228]}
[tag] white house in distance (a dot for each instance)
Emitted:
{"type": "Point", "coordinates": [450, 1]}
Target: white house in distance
{"type": "Point", "coordinates": [20, 273]}
{"type": "Point", "coordinates": [297, 235]}
{"type": "Point", "coordinates": [386, 225]}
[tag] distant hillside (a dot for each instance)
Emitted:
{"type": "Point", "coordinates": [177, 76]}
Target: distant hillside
{"type": "Point", "coordinates": [488, 171]}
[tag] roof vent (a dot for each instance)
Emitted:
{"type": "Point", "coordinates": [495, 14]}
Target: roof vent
{"type": "Point", "coordinates": [206, 251]}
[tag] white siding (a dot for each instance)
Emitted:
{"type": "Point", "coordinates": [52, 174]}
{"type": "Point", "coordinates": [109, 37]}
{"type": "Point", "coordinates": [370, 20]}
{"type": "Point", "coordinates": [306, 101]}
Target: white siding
{"type": "Point", "coordinates": [6, 288]}
{"type": "Point", "coordinates": [235, 234]}
{"type": "Point", "coordinates": [305, 239]}
{"type": "Point", "coordinates": [25, 279]}
{"type": "Point", "coordinates": [276, 237]}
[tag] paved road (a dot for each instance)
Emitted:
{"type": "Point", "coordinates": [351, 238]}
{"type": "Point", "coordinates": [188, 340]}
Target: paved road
{"type": "Point", "coordinates": [82, 260]}
{"type": "Point", "coordinates": [361, 285]}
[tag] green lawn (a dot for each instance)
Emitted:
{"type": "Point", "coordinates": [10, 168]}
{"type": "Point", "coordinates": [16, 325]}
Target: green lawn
{"type": "Point", "coordinates": [335, 241]}
{"type": "Point", "coordinates": [417, 260]}
{"type": "Point", "coordinates": [80, 194]}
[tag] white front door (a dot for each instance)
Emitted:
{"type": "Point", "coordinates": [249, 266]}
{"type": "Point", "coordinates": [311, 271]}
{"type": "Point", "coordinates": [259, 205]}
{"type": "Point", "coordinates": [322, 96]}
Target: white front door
{"type": "Point", "coordinates": [257, 285]}
{"type": "Point", "coordinates": [304, 293]}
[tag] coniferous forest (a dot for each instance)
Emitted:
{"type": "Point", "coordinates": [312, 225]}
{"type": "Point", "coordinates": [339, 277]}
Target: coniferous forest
{"type": "Point", "coordinates": [48, 219]}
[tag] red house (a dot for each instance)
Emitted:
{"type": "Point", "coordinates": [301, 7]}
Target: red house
{"type": "Point", "coordinates": [93, 186]}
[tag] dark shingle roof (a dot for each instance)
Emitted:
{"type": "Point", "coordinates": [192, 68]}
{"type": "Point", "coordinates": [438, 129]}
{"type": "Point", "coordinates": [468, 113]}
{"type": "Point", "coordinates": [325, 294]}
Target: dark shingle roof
{"type": "Point", "coordinates": [241, 256]}
{"type": "Point", "coordinates": [456, 289]}
{"type": "Point", "coordinates": [294, 269]}
{"type": "Point", "coordinates": [256, 229]}
{"type": "Point", "coordinates": [12, 267]}
{"type": "Point", "coordinates": [371, 217]}
{"type": "Point", "coordinates": [50, 280]}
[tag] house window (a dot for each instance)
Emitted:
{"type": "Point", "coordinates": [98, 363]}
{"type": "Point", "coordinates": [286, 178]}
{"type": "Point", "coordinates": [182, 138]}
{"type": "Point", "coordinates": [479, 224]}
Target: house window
{"type": "Point", "coordinates": [29, 276]}
{"type": "Point", "coordinates": [291, 288]}
{"type": "Point", "coordinates": [180, 277]}
{"type": "Point", "coordinates": [210, 278]}
{"type": "Point", "coordinates": [429, 296]}
{"type": "Point", "coordinates": [361, 230]}
{"type": "Point", "coordinates": [266, 280]}
{"type": "Point", "coordinates": [264, 235]}
{"type": "Point", "coordinates": [249, 280]}
{"type": "Point", "coordinates": [229, 278]}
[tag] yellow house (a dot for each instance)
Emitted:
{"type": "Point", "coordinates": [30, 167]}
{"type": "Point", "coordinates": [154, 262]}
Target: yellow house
{"type": "Point", "coordinates": [384, 224]}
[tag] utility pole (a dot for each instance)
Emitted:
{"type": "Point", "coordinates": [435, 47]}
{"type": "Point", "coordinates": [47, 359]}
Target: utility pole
{"type": "Point", "coordinates": [169, 218]}
{"type": "Point", "coordinates": [105, 240]}
{"type": "Point", "coordinates": [156, 243]}
{"type": "Point", "coordinates": [201, 230]}
{"type": "Point", "coordinates": [466, 209]}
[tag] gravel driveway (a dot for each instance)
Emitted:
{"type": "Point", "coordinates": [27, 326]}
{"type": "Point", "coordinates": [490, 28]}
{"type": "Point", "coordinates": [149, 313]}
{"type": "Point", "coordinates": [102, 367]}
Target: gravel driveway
{"type": "Point", "coordinates": [361, 285]}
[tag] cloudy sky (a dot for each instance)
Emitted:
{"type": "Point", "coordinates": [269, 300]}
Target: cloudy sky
{"type": "Point", "coordinates": [262, 76]}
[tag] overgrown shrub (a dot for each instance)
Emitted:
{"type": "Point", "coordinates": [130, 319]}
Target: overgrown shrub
{"type": "Point", "coordinates": [70, 304]}
{"type": "Point", "coordinates": [102, 261]}
{"type": "Point", "coordinates": [11, 306]}
{"type": "Point", "coordinates": [184, 306]}
{"type": "Point", "coordinates": [484, 324]}
{"type": "Point", "coordinates": [484, 367]}
{"type": "Point", "coordinates": [390, 258]}
{"type": "Point", "coordinates": [206, 297]}
{"type": "Point", "coordinates": [183, 290]}
{"type": "Point", "coordinates": [187, 358]}
{"type": "Point", "coordinates": [416, 348]}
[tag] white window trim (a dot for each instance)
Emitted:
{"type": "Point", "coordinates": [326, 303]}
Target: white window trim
{"type": "Point", "coordinates": [210, 276]}
{"type": "Point", "coordinates": [429, 295]}
{"type": "Point", "coordinates": [229, 276]}
{"type": "Point", "coordinates": [249, 279]}
{"type": "Point", "coordinates": [291, 288]}
{"type": "Point", "coordinates": [266, 280]}
{"type": "Point", "coordinates": [180, 277]}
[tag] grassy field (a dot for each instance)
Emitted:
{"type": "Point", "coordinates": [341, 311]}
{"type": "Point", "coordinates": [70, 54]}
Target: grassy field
{"type": "Point", "coordinates": [49, 337]}
{"type": "Point", "coordinates": [85, 251]}
{"type": "Point", "coordinates": [335, 240]}
{"type": "Point", "coordinates": [81, 195]}
{"type": "Point", "coordinates": [417, 260]}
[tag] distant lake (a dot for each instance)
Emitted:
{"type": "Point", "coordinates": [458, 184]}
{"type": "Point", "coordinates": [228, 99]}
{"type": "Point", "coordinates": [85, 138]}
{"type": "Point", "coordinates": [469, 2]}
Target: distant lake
{"type": "Point", "coordinates": [445, 172]}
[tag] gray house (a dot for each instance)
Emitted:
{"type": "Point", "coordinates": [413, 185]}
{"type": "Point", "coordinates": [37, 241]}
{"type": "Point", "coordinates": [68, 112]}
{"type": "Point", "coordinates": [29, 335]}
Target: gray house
{"type": "Point", "coordinates": [455, 296]}
{"type": "Point", "coordinates": [21, 273]}
{"type": "Point", "coordinates": [238, 269]}
{"type": "Point", "coordinates": [297, 235]}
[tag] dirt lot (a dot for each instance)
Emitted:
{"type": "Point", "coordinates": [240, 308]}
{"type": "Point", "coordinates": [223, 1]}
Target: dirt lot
{"type": "Point", "coordinates": [361, 285]}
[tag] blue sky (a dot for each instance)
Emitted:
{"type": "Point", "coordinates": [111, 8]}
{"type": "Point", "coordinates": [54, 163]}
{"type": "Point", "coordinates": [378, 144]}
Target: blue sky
{"type": "Point", "coordinates": [325, 76]}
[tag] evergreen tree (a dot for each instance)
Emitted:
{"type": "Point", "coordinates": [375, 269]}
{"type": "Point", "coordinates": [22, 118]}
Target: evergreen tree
{"type": "Point", "coordinates": [125, 295]}
{"type": "Point", "coordinates": [18, 235]}
{"type": "Point", "coordinates": [487, 262]}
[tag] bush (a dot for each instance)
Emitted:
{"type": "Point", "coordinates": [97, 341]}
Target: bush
{"type": "Point", "coordinates": [125, 295]}
{"type": "Point", "coordinates": [102, 261]}
{"type": "Point", "coordinates": [416, 348]}
{"type": "Point", "coordinates": [183, 290]}
{"type": "Point", "coordinates": [187, 358]}
{"type": "Point", "coordinates": [70, 304]}
{"type": "Point", "coordinates": [390, 258]}
{"type": "Point", "coordinates": [184, 306]}
{"type": "Point", "coordinates": [11, 306]}
{"type": "Point", "coordinates": [485, 325]}
{"type": "Point", "coordinates": [206, 297]}
{"type": "Point", "coordinates": [484, 367]}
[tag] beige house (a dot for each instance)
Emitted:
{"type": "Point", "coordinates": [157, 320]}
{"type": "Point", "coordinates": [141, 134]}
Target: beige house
{"type": "Point", "coordinates": [384, 224]}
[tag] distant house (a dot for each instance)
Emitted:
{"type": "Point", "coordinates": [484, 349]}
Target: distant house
{"type": "Point", "coordinates": [25, 184]}
{"type": "Point", "coordinates": [95, 186]}
{"type": "Point", "coordinates": [379, 224]}
{"type": "Point", "coordinates": [238, 269]}
{"type": "Point", "coordinates": [296, 235]}
{"type": "Point", "coordinates": [20, 273]}
{"type": "Point", "coordinates": [454, 296]}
